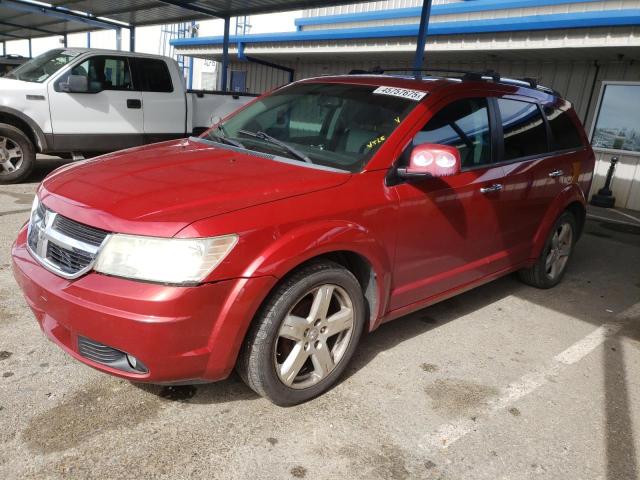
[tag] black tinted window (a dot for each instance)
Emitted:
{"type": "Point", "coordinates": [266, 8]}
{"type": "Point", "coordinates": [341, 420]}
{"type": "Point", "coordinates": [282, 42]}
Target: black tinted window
{"type": "Point", "coordinates": [154, 75]}
{"type": "Point", "coordinates": [563, 131]}
{"type": "Point", "coordinates": [525, 133]}
{"type": "Point", "coordinates": [463, 124]}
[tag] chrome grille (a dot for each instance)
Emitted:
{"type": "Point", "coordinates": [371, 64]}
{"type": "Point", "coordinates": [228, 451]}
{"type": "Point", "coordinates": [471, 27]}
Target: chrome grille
{"type": "Point", "coordinates": [85, 233]}
{"type": "Point", "coordinates": [62, 245]}
{"type": "Point", "coordinates": [69, 261]}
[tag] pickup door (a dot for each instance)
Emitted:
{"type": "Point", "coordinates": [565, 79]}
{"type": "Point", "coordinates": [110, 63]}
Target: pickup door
{"type": "Point", "coordinates": [163, 99]}
{"type": "Point", "coordinates": [108, 117]}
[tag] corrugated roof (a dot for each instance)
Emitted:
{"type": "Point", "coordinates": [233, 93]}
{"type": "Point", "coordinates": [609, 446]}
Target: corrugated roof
{"type": "Point", "coordinates": [17, 23]}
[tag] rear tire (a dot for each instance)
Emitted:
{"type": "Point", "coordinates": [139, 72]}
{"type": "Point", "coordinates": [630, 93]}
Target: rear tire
{"type": "Point", "coordinates": [17, 155]}
{"type": "Point", "coordinates": [552, 263]}
{"type": "Point", "coordinates": [305, 334]}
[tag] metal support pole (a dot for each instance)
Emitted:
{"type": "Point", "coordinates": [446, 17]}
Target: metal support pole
{"type": "Point", "coordinates": [418, 59]}
{"type": "Point", "coordinates": [4, 47]}
{"type": "Point", "coordinates": [30, 50]}
{"type": "Point", "coordinates": [88, 39]}
{"type": "Point", "coordinates": [132, 39]}
{"type": "Point", "coordinates": [118, 38]}
{"type": "Point", "coordinates": [225, 55]}
{"type": "Point", "coordinates": [64, 40]}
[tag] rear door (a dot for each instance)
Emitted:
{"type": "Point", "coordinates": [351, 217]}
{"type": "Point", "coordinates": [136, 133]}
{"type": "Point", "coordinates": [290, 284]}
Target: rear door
{"type": "Point", "coordinates": [163, 99]}
{"type": "Point", "coordinates": [537, 169]}
{"type": "Point", "coordinates": [447, 227]}
{"type": "Point", "coordinates": [106, 118]}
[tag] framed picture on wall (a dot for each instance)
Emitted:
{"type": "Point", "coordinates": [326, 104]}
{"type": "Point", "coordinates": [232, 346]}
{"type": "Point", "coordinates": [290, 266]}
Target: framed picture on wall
{"type": "Point", "coordinates": [617, 121]}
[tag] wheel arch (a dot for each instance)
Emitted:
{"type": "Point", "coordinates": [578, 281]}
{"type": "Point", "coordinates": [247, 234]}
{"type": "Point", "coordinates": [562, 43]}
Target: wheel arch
{"type": "Point", "coordinates": [19, 120]}
{"type": "Point", "coordinates": [345, 243]}
{"type": "Point", "coordinates": [571, 199]}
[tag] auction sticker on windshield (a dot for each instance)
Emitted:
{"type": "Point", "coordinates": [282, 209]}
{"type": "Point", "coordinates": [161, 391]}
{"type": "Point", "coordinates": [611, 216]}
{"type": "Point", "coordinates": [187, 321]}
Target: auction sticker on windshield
{"type": "Point", "coordinates": [415, 95]}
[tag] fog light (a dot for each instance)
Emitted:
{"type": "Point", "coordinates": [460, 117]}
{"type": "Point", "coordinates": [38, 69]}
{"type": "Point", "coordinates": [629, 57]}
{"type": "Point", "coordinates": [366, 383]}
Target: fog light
{"type": "Point", "coordinates": [133, 361]}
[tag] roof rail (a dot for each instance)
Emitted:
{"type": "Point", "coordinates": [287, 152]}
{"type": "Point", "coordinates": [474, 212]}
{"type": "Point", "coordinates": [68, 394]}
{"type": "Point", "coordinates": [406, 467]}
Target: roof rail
{"type": "Point", "coordinates": [486, 75]}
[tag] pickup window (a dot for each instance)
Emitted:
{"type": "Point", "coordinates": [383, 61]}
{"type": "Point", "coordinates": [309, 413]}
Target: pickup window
{"type": "Point", "coordinates": [104, 73]}
{"type": "Point", "coordinates": [152, 75]}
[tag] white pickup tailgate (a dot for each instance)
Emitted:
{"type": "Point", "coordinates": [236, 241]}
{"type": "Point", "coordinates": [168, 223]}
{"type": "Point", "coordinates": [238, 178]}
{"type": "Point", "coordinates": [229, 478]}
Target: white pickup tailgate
{"type": "Point", "coordinates": [208, 106]}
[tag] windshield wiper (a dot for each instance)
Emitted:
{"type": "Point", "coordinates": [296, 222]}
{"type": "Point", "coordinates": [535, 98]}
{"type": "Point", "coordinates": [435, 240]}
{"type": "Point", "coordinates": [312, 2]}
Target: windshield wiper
{"type": "Point", "coordinates": [224, 139]}
{"type": "Point", "coordinates": [268, 138]}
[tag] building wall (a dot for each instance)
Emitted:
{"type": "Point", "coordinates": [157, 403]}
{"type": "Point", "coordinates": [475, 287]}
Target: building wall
{"type": "Point", "coordinates": [561, 8]}
{"type": "Point", "coordinates": [369, 7]}
{"type": "Point", "coordinates": [575, 80]}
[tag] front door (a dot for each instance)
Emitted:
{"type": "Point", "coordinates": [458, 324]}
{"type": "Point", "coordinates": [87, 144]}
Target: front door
{"type": "Point", "coordinates": [447, 226]}
{"type": "Point", "coordinates": [108, 117]}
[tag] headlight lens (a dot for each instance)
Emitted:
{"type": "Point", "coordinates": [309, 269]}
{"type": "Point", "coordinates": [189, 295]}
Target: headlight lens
{"type": "Point", "coordinates": [163, 260]}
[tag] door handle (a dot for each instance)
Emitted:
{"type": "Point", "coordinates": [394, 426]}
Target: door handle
{"type": "Point", "coordinates": [496, 187]}
{"type": "Point", "coordinates": [556, 173]}
{"type": "Point", "coordinates": [134, 103]}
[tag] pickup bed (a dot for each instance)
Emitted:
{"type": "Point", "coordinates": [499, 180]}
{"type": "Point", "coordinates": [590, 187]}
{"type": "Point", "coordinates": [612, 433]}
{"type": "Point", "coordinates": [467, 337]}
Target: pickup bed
{"type": "Point", "coordinates": [78, 102]}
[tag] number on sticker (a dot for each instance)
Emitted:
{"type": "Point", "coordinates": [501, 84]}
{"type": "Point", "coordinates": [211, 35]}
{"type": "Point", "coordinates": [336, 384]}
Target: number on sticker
{"type": "Point", "coordinates": [415, 95]}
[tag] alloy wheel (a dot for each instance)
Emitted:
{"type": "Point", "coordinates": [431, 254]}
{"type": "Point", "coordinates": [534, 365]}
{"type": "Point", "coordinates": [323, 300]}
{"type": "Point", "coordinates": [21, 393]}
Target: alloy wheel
{"type": "Point", "coordinates": [314, 336]}
{"type": "Point", "coordinates": [559, 250]}
{"type": "Point", "coordinates": [11, 156]}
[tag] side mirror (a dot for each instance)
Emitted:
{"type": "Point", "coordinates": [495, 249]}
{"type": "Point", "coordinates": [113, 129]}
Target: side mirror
{"type": "Point", "coordinates": [76, 84]}
{"type": "Point", "coordinates": [431, 160]}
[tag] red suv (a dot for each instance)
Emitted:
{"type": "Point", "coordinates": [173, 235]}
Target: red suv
{"type": "Point", "coordinates": [312, 215]}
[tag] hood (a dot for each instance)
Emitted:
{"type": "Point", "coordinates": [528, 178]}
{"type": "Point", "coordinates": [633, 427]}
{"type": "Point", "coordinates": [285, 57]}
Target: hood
{"type": "Point", "coordinates": [160, 189]}
{"type": "Point", "coordinates": [11, 84]}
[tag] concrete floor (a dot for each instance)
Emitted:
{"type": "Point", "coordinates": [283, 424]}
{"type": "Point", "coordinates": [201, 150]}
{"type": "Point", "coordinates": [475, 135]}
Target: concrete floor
{"type": "Point", "coordinates": [505, 381]}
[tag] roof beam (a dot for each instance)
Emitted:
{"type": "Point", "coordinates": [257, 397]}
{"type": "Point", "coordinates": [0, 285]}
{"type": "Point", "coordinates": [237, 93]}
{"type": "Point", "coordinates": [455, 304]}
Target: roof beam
{"type": "Point", "coordinates": [4, 34]}
{"type": "Point", "coordinates": [61, 13]}
{"type": "Point", "coordinates": [187, 5]}
{"type": "Point", "coordinates": [26, 27]}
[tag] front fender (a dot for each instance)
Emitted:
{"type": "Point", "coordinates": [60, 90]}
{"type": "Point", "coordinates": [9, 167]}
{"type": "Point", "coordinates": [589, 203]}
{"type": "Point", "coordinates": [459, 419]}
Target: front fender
{"type": "Point", "coordinates": [570, 194]}
{"type": "Point", "coordinates": [316, 239]}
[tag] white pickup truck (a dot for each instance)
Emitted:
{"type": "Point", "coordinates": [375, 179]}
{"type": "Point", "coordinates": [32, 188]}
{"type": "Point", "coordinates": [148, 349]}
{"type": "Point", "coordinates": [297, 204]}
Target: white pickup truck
{"type": "Point", "coordinates": [77, 102]}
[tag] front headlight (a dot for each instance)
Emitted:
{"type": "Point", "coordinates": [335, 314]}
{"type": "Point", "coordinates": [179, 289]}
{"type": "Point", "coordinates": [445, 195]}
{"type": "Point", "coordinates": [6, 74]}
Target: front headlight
{"type": "Point", "coordinates": [163, 260]}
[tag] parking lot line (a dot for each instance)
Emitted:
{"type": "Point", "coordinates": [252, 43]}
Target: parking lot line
{"type": "Point", "coordinates": [448, 434]}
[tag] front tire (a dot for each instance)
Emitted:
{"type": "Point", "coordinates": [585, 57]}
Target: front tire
{"type": "Point", "coordinates": [552, 263]}
{"type": "Point", "coordinates": [304, 336]}
{"type": "Point", "coordinates": [17, 155]}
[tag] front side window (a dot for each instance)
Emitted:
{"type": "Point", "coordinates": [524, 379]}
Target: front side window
{"type": "Point", "coordinates": [103, 73]}
{"type": "Point", "coordinates": [40, 68]}
{"type": "Point", "coordinates": [463, 124]}
{"type": "Point", "coordinates": [335, 125]}
{"type": "Point", "coordinates": [525, 133]}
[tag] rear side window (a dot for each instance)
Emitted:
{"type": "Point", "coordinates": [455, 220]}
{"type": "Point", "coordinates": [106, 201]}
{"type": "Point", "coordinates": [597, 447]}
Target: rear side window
{"type": "Point", "coordinates": [463, 124]}
{"type": "Point", "coordinates": [564, 133]}
{"type": "Point", "coordinates": [524, 130]}
{"type": "Point", "coordinates": [153, 75]}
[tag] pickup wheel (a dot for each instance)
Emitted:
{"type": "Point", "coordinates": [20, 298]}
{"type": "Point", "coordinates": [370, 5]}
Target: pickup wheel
{"type": "Point", "coordinates": [552, 263]}
{"type": "Point", "coordinates": [305, 334]}
{"type": "Point", "coordinates": [17, 155]}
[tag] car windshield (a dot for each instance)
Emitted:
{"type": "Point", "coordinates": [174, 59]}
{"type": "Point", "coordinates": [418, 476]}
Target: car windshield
{"type": "Point", "coordinates": [334, 125]}
{"type": "Point", "coordinates": [40, 68]}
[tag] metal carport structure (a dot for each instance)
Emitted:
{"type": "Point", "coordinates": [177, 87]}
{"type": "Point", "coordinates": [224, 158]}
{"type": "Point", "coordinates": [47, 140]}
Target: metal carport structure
{"type": "Point", "coordinates": [25, 19]}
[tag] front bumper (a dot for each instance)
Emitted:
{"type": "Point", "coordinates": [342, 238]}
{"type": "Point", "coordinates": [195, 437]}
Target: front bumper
{"type": "Point", "coordinates": [181, 334]}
